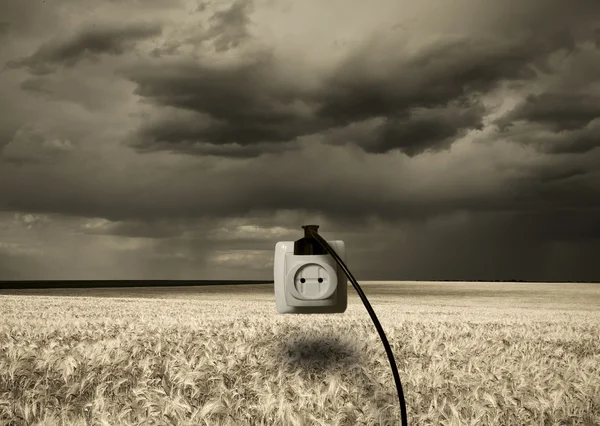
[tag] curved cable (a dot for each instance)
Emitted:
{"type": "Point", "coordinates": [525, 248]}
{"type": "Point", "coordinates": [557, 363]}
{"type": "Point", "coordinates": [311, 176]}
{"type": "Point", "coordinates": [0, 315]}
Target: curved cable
{"type": "Point", "coordinates": [313, 233]}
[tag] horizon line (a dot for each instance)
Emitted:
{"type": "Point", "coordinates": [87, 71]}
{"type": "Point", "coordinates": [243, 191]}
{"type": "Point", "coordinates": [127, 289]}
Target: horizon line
{"type": "Point", "coordinates": [118, 283]}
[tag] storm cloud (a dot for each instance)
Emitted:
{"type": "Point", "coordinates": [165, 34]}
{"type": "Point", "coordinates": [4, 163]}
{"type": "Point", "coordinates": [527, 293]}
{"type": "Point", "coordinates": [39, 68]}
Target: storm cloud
{"type": "Point", "coordinates": [560, 111]}
{"type": "Point", "coordinates": [424, 100]}
{"type": "Point", "coordinates": [438, 140]}
{"type": "Point", "coordinates": [562, 115]}
{"type": "Point", "coordinates": [86, 43]}
{"type": "Point", "coordinates": [229, 27]}
{"type": "Point", "coordinates": [558, 123]}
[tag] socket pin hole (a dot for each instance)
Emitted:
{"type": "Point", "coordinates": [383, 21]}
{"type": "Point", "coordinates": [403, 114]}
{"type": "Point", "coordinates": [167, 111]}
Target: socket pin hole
{"type": "Point", "coordinates": [320, 280]}
{"type": "Point", "coordinates": [302, 280]}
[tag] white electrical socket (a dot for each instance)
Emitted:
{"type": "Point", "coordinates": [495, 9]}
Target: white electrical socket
{"type": "Point", "coordinates": [309, 284]}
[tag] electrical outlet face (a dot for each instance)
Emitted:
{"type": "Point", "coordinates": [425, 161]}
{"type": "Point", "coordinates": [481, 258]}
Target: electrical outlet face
{"type": "Point", "coordinates": [312, 282]}
{"type": "Point", "coordinates": [309, 283]}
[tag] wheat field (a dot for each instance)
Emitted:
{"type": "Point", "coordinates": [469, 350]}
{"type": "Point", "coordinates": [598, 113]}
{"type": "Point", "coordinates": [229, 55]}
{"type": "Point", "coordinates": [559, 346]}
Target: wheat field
{"type": "Point", "coordinates": [467, 354]}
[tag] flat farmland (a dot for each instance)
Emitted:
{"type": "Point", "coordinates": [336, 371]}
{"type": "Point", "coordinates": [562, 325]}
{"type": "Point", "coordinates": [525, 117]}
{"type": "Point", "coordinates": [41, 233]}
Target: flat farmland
{"type": "Point", "coordinates": [467, 354]}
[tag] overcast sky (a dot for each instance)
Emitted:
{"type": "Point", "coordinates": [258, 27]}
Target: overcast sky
{"type": "Point", "coordinates": [182, 139]}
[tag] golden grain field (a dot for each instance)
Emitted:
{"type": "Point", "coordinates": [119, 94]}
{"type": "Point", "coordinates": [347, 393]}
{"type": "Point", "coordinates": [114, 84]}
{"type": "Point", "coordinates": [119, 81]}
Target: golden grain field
{"type": "Point", "coordinates": [226, 359]}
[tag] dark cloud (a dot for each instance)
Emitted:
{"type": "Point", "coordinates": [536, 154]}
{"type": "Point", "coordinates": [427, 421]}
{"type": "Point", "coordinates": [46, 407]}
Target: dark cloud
{"type": "Point", "coordinates": [425, 100]}
{"type": "Point", "coordinates": [562, 116]}
{"type": "Point", "coordinates": [370, 82]}
{"type": "Point", "coordinates": [94, 93]}
{"type": "Point", "coordinates": [36, 85]}
{"type": "Point", "coordinates": [217, 106]}
{"type": "Point", "coordinates": [497, 246]}
{"type": "Point", "coordinates": [553, 175]}
{"type": "Point", "coordinates": [425, 128]}
{"type": "Point", "coordinates": [258, 139]}
{"type": "Point", "coordinates": [7, 132]}
{"type": "Point", "coordinates": [509, 232]}
{"type": "Point", "coordinates": [134, 229]}
{"type": "Point", "coordinates": [230, 27]}
{"type": "Point", "coordinates": [546, 139]}
{"type": "Point", "coordinates": [31, 145]}
{"type": "Point", "coordinates": [335, 183]}
{"type": "Point", "coordinates": [226, 29]}
{"type": "Point", "coordinates": [558, 111]}
{"type": "Point", "coordinates": [42, 20]}
{"type": "Point", "coordinates": [578, 142]}
{"type": "Point", "coordinates": [87, 43]}
{"type": "Point", "coordinates": [554, 122]}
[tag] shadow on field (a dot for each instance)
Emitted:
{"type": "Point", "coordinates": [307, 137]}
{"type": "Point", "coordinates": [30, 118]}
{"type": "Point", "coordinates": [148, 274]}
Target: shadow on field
{"type": "Point", "coordinates": [316, 354]}
{"type": "Point", "coordinates": [316, 357]}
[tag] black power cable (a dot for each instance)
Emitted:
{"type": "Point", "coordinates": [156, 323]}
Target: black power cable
{"type": "Point", "coordinates": [312, 231]}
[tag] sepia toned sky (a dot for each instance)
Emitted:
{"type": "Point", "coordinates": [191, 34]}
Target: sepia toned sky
{"type": "Point", "coordinates": [172, 139]}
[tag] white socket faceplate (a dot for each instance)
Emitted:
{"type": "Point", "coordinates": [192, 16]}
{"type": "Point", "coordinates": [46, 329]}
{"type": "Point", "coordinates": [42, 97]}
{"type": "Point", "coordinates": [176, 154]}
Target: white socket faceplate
{"type": "Point", "coordinates": [311, 281]}
{"type": "Point", "coordinates": [309, 284]}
